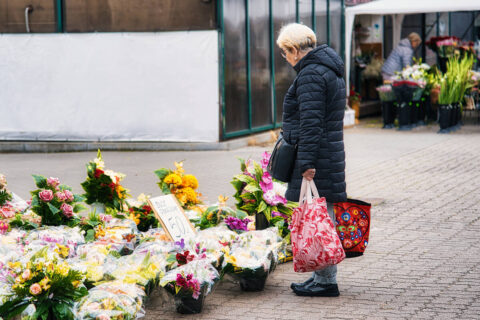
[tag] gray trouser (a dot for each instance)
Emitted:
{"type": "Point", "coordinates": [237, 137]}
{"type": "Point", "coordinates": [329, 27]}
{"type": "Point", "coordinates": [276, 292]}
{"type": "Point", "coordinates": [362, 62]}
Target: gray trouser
{"type": "Point", "coordinates": [327, 275]}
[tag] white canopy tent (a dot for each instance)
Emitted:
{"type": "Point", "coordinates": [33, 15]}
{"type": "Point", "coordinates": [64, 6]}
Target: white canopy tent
{"type": "Point", "coordinates": [398, 9]}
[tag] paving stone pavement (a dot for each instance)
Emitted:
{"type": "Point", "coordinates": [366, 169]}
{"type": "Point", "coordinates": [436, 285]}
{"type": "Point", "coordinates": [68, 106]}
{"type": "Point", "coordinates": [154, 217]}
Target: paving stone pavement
{"type": "Point", "coordinates": [423, 259]}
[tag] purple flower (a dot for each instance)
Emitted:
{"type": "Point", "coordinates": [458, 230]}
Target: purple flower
{"type": "Point", "coordinates": [273, 199]}
{"type": "Point", "coordinates": [236, 223]}
{"type": "Point", "coordinates": [279, 214]}
{"type": "Point", "coordinates": [180, 243]}
{"type": "Point", "coordinates": [266, 184]}
{"type": "Point", "coordinates": [265, 159]}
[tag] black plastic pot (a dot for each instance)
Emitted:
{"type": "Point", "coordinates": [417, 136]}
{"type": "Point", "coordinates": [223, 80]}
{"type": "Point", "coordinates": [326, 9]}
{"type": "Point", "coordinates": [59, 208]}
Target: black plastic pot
{"type": "Point", "coordinates": [414, 105]}
{"type": "Point", "coordinates": [261, 221]}
{"type": "Point", "coordinates": [453, 115]}
{"type": "Point", "coordinates": [404, 116]}
{"type": "Point", "coordinates": [422, 112]}
{"type": "Point", "coordinates": [189, 305]}
{"type": "Point", "coordinates": [444, 117]}
{"type": "Point", "coordinates": [253, 284]}
{"type": "Point", "coordinates": [388, 113]}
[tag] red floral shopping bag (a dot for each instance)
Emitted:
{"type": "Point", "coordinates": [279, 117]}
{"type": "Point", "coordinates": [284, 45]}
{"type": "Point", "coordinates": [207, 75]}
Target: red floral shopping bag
{"type": "Point", "coordinates": [315, 243]}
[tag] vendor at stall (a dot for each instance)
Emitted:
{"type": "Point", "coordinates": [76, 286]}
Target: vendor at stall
{"type": "Point", "coordinates": [401, 56]}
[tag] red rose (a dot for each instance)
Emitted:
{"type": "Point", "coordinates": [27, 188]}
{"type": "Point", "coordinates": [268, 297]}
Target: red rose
{"type": "Point", "coordinates": [147, 209]}
{"type": "Point", "coordinates": [98, 173]}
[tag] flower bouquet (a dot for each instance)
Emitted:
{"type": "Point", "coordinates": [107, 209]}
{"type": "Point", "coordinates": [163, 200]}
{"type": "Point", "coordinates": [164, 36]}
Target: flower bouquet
{"type": "Point", "coordinates": [102, 304]}
{"type": "Point", "coordinates": [138, 269]}
{"type": "Point", "coordinates": [5, 195]}
{"type": "Point", "coordinates": [252, 257]}
{"type": "Point", "coordinates": [141, 212]}
{"type": "Point", "coordinates": [190, 284]}
{"type": "Point", "coordinates": [55, 203]}
{"type": "Point", "coordinates": [213, 215]}
{"type": "Point", "coordinates": [182, 185]}
{"type": "Point", "coordinates": [258, 194]}
{"type": "Point", "coordinates": [50, 285]}
{"type": "Point", "coordinates": [103, 186]}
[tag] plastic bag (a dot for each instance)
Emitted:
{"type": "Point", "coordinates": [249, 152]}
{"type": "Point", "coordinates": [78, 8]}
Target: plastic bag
{"type": "Point", "coordinates": [102, 304]}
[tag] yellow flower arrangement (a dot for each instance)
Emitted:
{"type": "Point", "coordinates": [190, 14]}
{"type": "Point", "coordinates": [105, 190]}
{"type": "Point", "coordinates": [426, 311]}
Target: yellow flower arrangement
{"type": "Point", "coordinates": [189, 181]}
{"type": "Point", "coordinates": [182, 185]}
{"type": "Point", "coordinates": [174, 179]}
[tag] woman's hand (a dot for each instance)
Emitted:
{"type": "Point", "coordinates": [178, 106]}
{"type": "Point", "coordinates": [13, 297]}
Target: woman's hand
{"type": "Point", "coordinates": [309, 174]}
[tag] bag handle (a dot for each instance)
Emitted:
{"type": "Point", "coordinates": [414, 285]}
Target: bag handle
{"type": "Point", "coordinates": [307, 189]}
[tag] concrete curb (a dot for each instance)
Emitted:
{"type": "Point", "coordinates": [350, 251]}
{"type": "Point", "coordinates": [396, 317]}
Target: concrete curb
{"type": "Point", "coordinates": [81, 146]}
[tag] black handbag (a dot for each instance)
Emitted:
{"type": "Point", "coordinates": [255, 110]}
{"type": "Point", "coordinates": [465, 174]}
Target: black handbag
{"type": "Point", "coordinates": [282, 160]}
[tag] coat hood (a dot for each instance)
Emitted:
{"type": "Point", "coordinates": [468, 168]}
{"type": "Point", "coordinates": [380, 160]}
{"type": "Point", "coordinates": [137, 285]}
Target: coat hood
{"type": "Point", "coordinates": [405, 43]}
{"type": "Point", "coordinates": [323, 55]}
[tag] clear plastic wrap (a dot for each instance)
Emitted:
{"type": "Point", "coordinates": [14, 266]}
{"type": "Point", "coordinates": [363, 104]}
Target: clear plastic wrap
{"type": "Point", "coordinates": [103, 305]}
{"type": "Point", "coordinates": [119, 287]}
{"type": "Point", "coordinates": [140, 269]}
{"type": "Point", "coordinates": [200, 272]}
{"type": "Point", "coordinates": [252, 257]}
{"type": "Point", "coordinates": [155, 234]}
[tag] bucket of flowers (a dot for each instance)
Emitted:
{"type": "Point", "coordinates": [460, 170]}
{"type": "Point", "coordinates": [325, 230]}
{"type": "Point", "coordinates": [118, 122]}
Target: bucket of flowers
{"type": "Point", "coordinates": [55, 203]}
{"type": "Point", "coordinates": [182, 185]}
{"type": "Point", "coordinates": [102, 187]}
{"type": "Point", "coordinates": [142, 214]}
{"type": "Point", "coordinates": [252, 257]}
{"type": "Point", "coordinates": [48, 283]}
{"type": "Point", "coordinates": [190, 284]}
{"type": "Point", "coordinates": [259, 195]}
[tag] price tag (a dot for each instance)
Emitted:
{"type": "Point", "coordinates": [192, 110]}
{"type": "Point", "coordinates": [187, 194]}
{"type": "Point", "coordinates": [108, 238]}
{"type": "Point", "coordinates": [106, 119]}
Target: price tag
{"type": "Point", "coordinates": [172, 217]}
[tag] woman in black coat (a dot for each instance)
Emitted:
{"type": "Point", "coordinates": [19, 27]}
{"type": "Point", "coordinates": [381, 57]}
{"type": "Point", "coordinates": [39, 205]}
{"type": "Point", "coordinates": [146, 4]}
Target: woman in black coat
{"type": "Point", "coordinates": [313, 112]}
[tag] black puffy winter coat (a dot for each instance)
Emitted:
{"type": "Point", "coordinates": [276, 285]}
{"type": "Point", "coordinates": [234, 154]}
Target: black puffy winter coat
{"type": "Point", "coordinates": [313, 112]}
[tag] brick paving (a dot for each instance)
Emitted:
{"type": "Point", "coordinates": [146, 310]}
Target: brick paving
{"type": "Point", "coordinates": [423, 260]}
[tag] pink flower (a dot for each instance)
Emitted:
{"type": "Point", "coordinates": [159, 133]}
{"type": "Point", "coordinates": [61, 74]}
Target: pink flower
{"type": "Point", "coordinates": [4, 227]}
{"type": "Point", "coordinates": [265, 159]}
{"type": "Point", "coordinates": [266, 184]}
{"type": "Point", "coordinates": [68, 195]}
{"type": "Point", "coordinates": [46, 195]}
{"type": "Point", "coordinates": [60, 196]}
{"type": "Point", "coordinates": [53, 182]}
{"type": "Point", "coordinates": [35, 289]}
{"type": "Point", "coordinates": [26, 274]}
{"type": "Point", "coordinates": [7, 212]}
{"type": "Point", "coordinates": [67, 210]}
{"type": "Point", "coordinates": [105, 217]}
{"type": "Point", "coordinates": [103, 316]}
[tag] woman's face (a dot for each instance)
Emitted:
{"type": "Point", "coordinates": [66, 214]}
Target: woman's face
{"type": "Point", "coordinates": [290, 55]}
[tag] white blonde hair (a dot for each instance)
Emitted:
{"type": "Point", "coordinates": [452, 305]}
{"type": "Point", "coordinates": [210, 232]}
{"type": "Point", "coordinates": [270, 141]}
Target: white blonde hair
{"type": "Point", "coordinates": [296, 35]}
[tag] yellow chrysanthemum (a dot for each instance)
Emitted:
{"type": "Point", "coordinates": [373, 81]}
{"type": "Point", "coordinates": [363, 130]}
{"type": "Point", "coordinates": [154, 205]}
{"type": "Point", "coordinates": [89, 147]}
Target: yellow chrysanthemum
{"type": "Point", "coordinates": [189, 181]}
{"type": "Point", "coordinates": [174, 179]}
{"type": "Point", "coordinates": [188, 194]}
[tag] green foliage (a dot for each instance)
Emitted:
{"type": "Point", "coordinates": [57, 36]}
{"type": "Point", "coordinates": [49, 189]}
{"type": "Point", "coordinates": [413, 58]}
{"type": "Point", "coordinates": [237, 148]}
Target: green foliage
{"type": "Point", "coordinates": [4, 197]}
{"type": "Point", "coordinates": [20, 223]}
{"type": "Point", "coordinates": [455, 82]}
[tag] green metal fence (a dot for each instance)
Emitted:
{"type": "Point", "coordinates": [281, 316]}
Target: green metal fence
{"type": "Point", "coordinates": [237, 112]}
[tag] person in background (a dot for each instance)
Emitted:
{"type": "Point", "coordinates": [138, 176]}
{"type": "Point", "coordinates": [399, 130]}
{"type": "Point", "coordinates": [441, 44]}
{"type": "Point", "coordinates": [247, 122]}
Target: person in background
{"type": "Point", "coordinates": [401, 56]}
{"type": "Point", "coordinates": [313, 112]}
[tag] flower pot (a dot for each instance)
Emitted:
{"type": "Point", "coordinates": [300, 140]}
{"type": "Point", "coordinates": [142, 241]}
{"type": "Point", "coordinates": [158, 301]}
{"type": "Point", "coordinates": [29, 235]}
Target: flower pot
{"type": "Point", "coordinates": [261, 221]}
{"type": "Point", "coordinates": [414, 113]}
{"type": "Point", "coordinates": [422, 112]}
{"type": "Point", "coordinates": [98, 207]}
{"type": "Point", "coordinates": [189, 305]}
{"type": "Point", "coordinates": [388, 113]}
{"type": "Point", "coordinates": [254, 284]}
{"type": "Point", "coordinates": [444, 117]}
{"type": "Point", "coordinates": [404, 116]}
